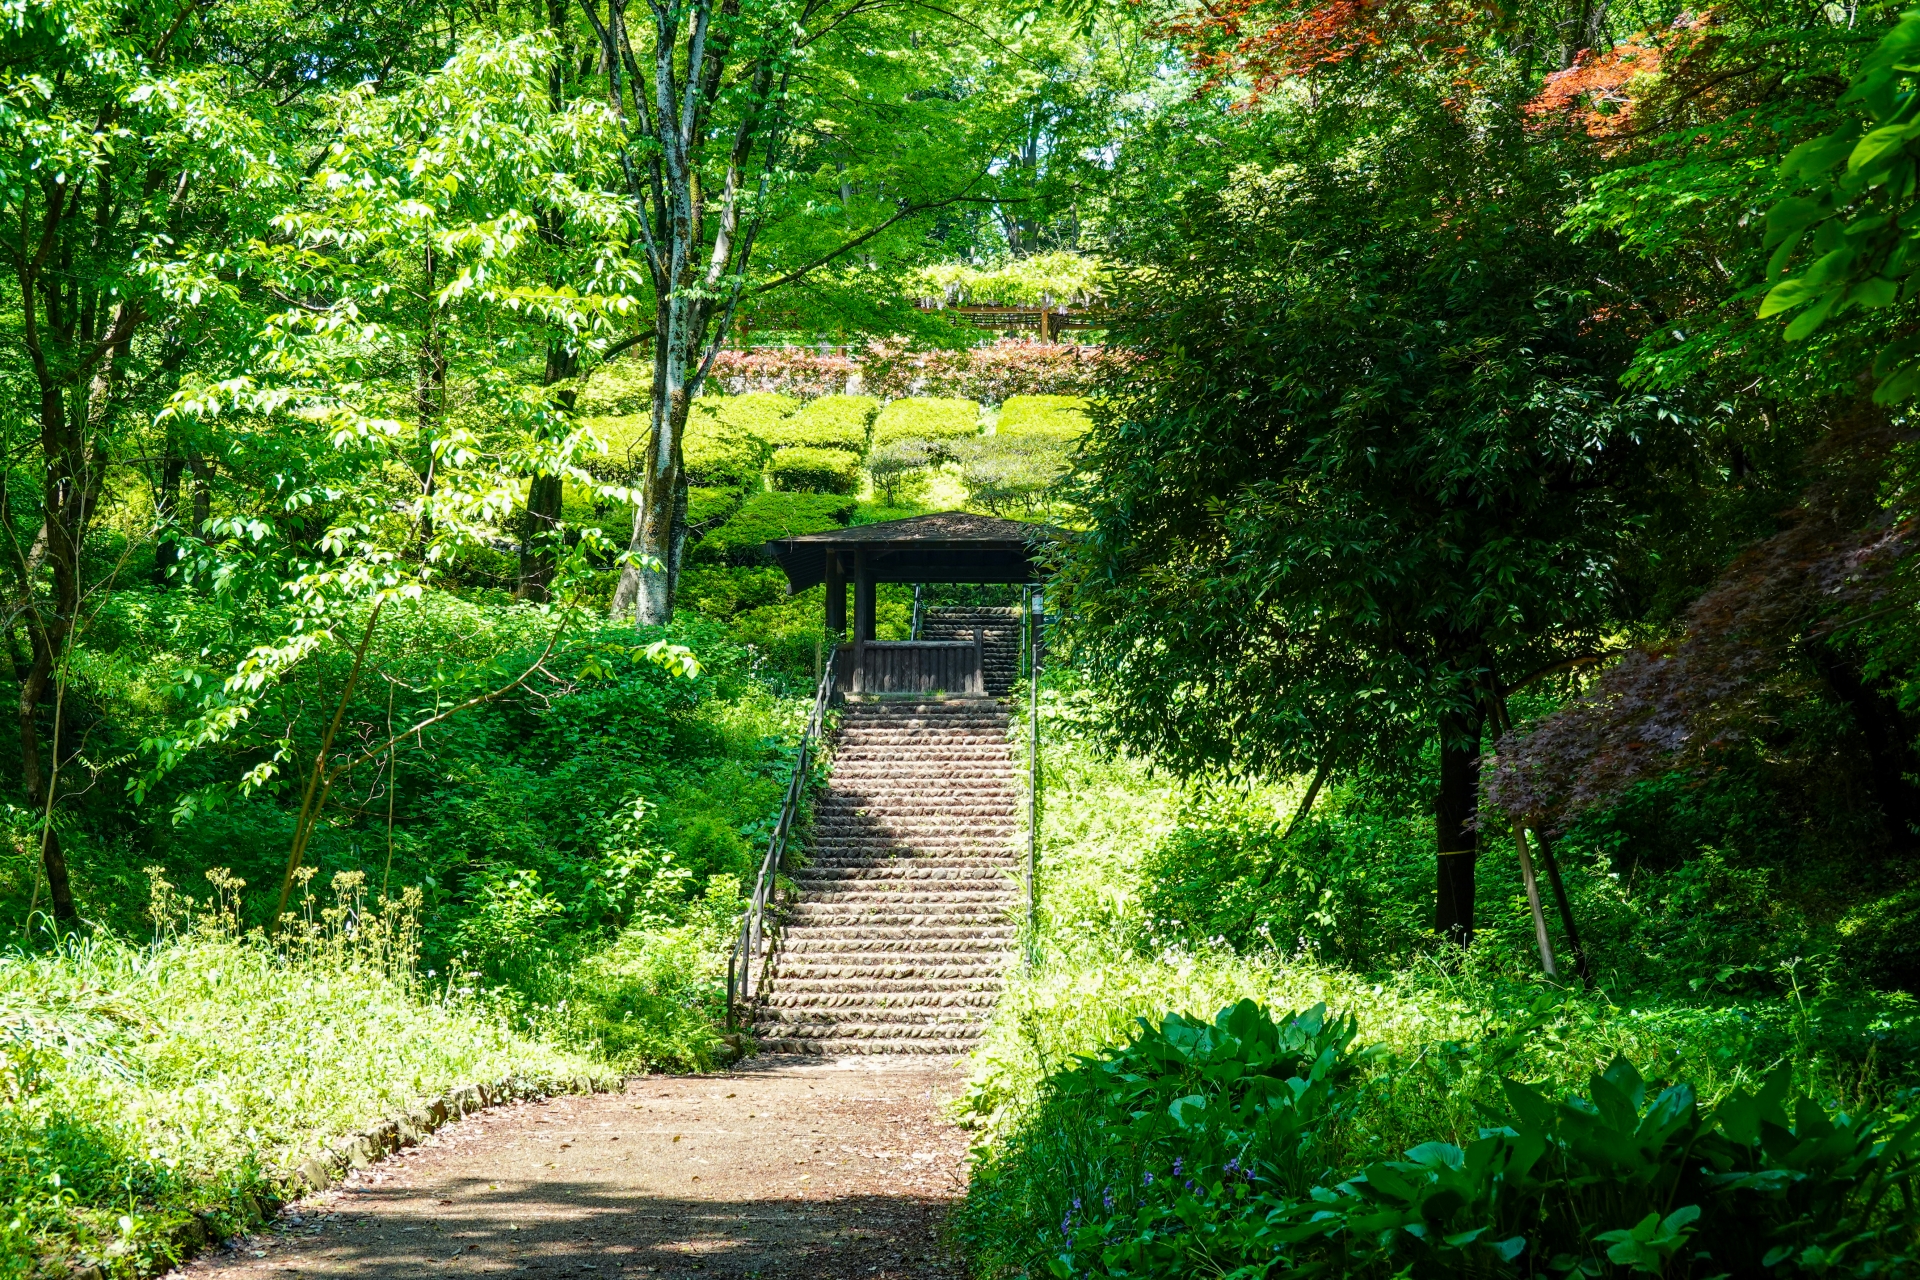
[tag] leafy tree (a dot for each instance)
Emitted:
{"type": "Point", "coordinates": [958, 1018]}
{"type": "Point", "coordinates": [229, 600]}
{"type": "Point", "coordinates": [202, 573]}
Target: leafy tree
{"type": "Point", "coordinates": [1373, 468]}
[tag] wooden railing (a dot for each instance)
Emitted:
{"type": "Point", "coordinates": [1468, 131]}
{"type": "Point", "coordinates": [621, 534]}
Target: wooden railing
{"type": "Point", "coordinates": [754, 946]}
{"type": "Point", "coordinates": [915, 666]}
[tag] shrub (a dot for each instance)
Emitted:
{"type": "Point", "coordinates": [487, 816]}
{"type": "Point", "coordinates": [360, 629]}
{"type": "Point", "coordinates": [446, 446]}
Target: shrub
{"type": "Point", "coordinates": [926, 418]}
{"type": "Point", "coordinates": [767, 516]}
{"type": "Point", "coordinates": [709, 506]}
{"type": "Point", "coordinates": [625, 436]}
{"type": "Point", "coordinates": [1047, 417]}
{"type": "Point", "coordinates": [1003, 474]}
{"type": "Point", "coordinates": [831, 422]}
{"type": "Point", "coordinates": [799, 468]}
{"type": "Point", "coordinates": [899, 468]}
{"type": "Point", "coordinates": [798, 371]}
{"type": "Point", "coordinates": [758, 413]}
{"type": "Point", "coordinates": [1208, 1148]}
{"type": "Point", "coordinates": [721, 591]}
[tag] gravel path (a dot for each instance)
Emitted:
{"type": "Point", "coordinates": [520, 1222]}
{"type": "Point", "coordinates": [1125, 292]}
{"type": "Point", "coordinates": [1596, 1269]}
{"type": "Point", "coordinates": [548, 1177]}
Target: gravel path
{"type": "Point", "coordinates": [821, 1169]}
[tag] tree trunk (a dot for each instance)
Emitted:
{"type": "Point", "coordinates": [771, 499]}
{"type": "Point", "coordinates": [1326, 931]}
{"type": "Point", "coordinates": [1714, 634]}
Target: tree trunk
{"type": "Point", "coordinates": [169, 553]}
{"type": "Point", "coordinates": [1888, 736]}
{"type": "Point", "coordinates": [545, 493]}
{"type": "Point", "coordinates": [1454, 811]}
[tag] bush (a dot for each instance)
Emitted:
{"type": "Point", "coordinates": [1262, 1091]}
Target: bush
{"type": "Point", "coordinates": [899, 468]}
{"type": "Point", "coordinates": [1004, 474]}
{"type": "Point", "coordinates": [926, 418]}
{"type": "Point", "coordinates": [991, 373]}
{"type": "Point", "coordinates": [767, 516]}
{"type": "Point", "coordinates": [758, 413]}
{"type": "Point", "coordinates": [1046, 417]}
{"type": "Point", "coordinates": [709, 506]}
{"type": "Point", "coordinates": [797, 371]}
{"type": "Point", "coordinates": [721, 591]}
{"type": "Point", "coordinates": [1207, 1148]}
{"type": "Point", "coordinates": [831, 422]}
{"type": "Point", "coordinates": [803, 469]}
{"type": "Point", "coordinates": [625, 436]}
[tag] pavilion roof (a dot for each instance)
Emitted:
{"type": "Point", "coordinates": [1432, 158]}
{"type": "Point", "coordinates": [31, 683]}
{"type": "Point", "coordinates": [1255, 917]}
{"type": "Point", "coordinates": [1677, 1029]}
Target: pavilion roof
{"type": "Point", "coordinates": [948, 546]}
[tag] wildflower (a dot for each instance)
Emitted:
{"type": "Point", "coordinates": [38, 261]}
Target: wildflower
{"type": "Point", "coordinates": [1232, 1165]}
{"type": "Point", "coordinates": [1076, 1204]}
{"type": "Point", "coordinates": [1147, 1178]}
{"type": "Point", "coordinates": [1189, 1184]}
{"type": "Point", "coordinates": [1177, 1161]}
{"type": "Point", "coordinates": [1106, 1198]}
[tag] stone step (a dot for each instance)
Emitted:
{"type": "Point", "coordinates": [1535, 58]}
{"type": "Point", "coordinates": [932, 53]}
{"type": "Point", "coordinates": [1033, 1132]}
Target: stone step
{"type": "Point", "coordinates": [839, 950]}
{"type": "Point", "coordinates": [952, 1048]}
{"type": "Point", "coordinates": [804, 969]}
{"type": "Point", "coordinates": [812, 915]}
{"type": "Point", "coordinates": [877, 1003]}
{"type": "Point", "coordinates": [828, 876]}
{"type": "Point", "coordinates": [885, 986]}
{"type": "Point", "coordinates": [995, 935]}
{"type": "Point", "coordinates": [835, 859]}
{"type": "Point", "coordinates": [851, 1029]}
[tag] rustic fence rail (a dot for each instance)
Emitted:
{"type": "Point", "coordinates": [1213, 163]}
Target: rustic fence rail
{"type": "Point", "coordinates": [754, 946]}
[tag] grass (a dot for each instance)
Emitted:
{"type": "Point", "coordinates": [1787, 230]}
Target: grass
{"type": "Point", "coordinates": [148, 1083]}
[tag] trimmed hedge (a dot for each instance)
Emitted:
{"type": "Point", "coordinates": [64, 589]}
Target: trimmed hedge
{"type": "Point", "coordinates": [758, 412]}
{"type": "Point", "coordinates": [1044, 417]}
{"type": "Point", "coordinates": [727, 437]}
{"type": "Point", "coordinates": [766, 516]}
{"type": "Point", "coordinates": [802, 468]}
{"type": "Point", "coordinates": [625, 436]}
{"type": "Point", "coordinates": [831, 422]}
{"type": "Point", "coordinates": [927, 418]}
{"type": "Point", "coordinates": [709, 506]}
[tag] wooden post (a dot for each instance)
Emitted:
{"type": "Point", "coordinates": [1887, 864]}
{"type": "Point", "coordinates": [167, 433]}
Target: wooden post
{"type": "Point", "coordinates": [862, 597]}
{"type": "Point", "coordinates": [978, 685]}
{"type": "Point", "coordinates": [836, 593]}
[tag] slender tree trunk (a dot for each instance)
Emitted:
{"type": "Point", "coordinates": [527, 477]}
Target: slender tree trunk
{"type": "Point", "coordinates": [1454, 811]}
{"type": "Point", "coordinates": [169, 552]}
{"type": "Point", "coordinates": [430, 380]}
{"type": "Point", "coordinates": [545, 493]}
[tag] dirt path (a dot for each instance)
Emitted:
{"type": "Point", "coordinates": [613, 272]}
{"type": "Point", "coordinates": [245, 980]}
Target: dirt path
{"type": "Point", "coordinates": [818, 1169]}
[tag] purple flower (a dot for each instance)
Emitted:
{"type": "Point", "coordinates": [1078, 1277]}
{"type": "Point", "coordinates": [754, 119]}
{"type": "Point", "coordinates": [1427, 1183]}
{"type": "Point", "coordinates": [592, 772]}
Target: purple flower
{"type": "Point", "coordinates": [1189, 1184]}
{"type": "Point", "coordinates": [1076, 1204]}
{"type": "Point", "coordinates": [1106, 1198]}
{"type": "Point", "coordinates": [1147, 1177]}
{"type": "Point", "coordinates": [1176, 1166]}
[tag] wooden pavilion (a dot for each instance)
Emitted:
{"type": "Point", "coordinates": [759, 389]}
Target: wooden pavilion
{"type": "Point", "coordinates": [950, 546]}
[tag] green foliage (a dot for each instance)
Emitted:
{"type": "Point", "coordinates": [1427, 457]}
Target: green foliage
{"type": "Point", "coordinates": [761, 414]}
{"type": "Point", "coordinates": [767, 516]}
{"type": "Point", "coordinates": [1233, 1145]}
{"type": "Point", "coordinates": [147, 1084]}
{"type": "Point", "coordinates": [1005, 474]}
{"type": "Point", "coordinates": [899, 468]}
{"type": "Point", "coordinates": [926, 418]}
{"type": "Point", "coordinates": [830, 422]}
{"type": "Point", "coordinates": [1047, 417]}
{"type": "Point", "coordinates": [803, 469]}
{"type": "Point", "coordinates": [1058, 278]}
{"type": "Point", "coordinates": [1854, 233]}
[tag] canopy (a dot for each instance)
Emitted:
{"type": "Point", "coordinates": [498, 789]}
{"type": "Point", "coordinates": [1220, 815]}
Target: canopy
{"type": "Point", "coordinates": [951, 546]}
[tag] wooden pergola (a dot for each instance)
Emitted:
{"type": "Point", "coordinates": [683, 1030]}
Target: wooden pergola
{"type": "Point", "coordinates": [951, 546]}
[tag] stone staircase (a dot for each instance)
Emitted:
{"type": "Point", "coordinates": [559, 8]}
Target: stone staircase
{"type": "Point", "coordinates": [1001, 640]}
{"type": "Point", "coordinates": [902, 930]}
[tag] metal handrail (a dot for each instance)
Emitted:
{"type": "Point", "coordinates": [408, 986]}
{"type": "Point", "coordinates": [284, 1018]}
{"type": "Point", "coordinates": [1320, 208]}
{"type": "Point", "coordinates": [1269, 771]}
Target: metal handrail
{"type": "Point", "coordinates": [753, 920]}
